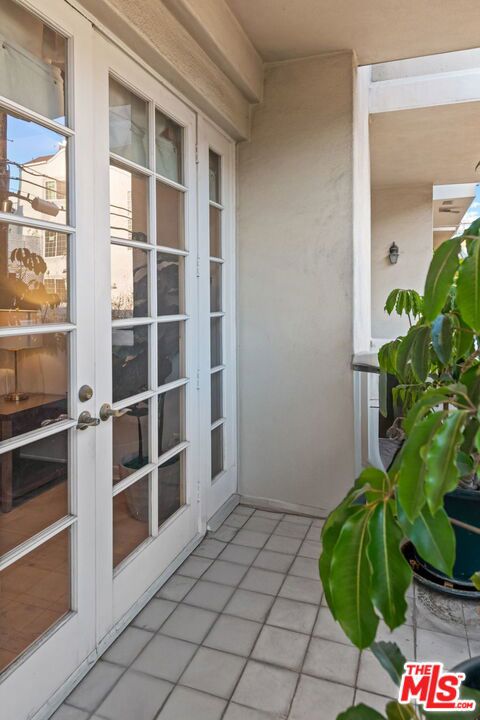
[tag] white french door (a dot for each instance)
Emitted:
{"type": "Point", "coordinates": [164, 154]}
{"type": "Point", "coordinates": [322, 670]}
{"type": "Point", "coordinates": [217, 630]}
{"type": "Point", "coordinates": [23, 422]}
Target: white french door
{"type": "Point", "coordinates": [117, 343]}
{"type": "Point", "coordinates": [47, 465]}
{"type": "Point", "coordinates": [146, 330]}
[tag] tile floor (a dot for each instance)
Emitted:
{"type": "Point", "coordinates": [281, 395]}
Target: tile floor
{"type": "Point", "coordinates": [240, 632]}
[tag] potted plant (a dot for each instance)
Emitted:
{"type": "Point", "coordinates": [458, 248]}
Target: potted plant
{"type": "Point", "coordinates": [363, 571]}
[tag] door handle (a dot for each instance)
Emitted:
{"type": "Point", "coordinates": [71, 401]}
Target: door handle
{"type": "Point", "coordinates": [106, 411]}
{"type": "Point", "coordinates": [85, 420]}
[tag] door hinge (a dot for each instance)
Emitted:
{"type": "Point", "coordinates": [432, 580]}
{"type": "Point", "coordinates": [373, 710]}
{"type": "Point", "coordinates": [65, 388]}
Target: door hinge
{"type": "Point", "coordinates": [198, 379]}
{"type": "Point", "coordinates": [196, 155]}
{"type": "Point", "coordinates": [198, 266]}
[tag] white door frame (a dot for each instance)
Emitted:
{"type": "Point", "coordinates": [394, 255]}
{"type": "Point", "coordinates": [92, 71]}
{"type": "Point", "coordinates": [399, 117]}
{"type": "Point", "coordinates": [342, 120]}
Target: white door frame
{"type": "Point", "coordinates": [30, 683]}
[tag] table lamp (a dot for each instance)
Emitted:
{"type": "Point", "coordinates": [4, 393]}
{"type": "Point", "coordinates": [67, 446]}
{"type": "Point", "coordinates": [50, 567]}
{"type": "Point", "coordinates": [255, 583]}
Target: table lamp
{"type": "Point", "coordinates": [15, 344]}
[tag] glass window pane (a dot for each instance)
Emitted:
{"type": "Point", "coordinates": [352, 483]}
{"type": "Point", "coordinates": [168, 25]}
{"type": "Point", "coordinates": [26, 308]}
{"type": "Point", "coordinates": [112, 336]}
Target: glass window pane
{"type": "Point", "coordinates": [130, 361]}
{"type": "Point", "coordinates": [170, 284]}
{"type": "Point", "coordinates": [170, 352]}
{"type": "Point", "coordinates": [215, 287]}
{"type": "Point", "coordinates": [33, 382]}
{"type": "Point", "coordinates": [128, 124]}
{"type": "Point", "coordinates": [35, 162]}
{"type": "Point", "coordinates": [168, 147]}
{"type": "Point", "coordinates": [171, 487]}
{"type": "Point", "coordinates": [216, 354]}
{"type": "Point", "coordinates": [217, 451]}
{"type": "Point", "coordinates": [128, 204]}
{"type": "Point", "coordinates": [214, 176]}
{"type": "Point", "coordinates": [215, 232]}
{"type": "Point", "coordinates": [171, 414]}
{"type": "Point", "coordinates": [216, 396]}
{"type": "Point", "coordinates": [33, 276]}
{"type": "Point", "coordinates": [130, 441]}
{"type": "Point", "coordinates": [33, 489]}
{"type": "Point", "coordinates": [170, 212]}
{"type": "Point", "coordinates": [129, 282]}
{"type": "Point", "coordinates": [32, 62]}
{"type": "Point", "coordinates": [35, 594]}
{"type": "Point", "coordinates": [130, 519]}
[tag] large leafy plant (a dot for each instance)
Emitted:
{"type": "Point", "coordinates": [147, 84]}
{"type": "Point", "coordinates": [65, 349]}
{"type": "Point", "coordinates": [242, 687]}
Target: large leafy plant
{"type": "Point", "coordinates": [363, 571]}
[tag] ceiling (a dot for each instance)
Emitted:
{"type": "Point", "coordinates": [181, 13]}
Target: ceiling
{"type": "Point", "coordinates": [449, 213]}
{"type": "Point", "coordinates": [378, 30]}
{"type": "Point", "coordinates": [436, 145]}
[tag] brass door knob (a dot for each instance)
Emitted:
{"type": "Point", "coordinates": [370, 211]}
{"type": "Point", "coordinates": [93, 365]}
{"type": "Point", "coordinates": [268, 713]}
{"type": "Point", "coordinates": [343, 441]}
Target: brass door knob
{"type": "Point", "coordinates": [106, 411]}
{"type": "Point", "coordinates": [85, 420]}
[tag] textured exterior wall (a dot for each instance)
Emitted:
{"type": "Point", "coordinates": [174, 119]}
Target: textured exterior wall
{"type": "Point", "coordinates": [401, 215]}
{"type": "Point", "coordinates": [295, 275]}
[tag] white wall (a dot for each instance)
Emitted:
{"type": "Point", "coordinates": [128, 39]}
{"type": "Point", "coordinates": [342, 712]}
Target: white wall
{"type": "Point", "coordinates": [295, 275]}
{"type": "Point", "coordinates": [402, 215]}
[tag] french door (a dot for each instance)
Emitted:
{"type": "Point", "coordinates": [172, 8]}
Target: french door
{"type": "Point", "coordinates": [47, 465]}
{"type": "Point", "coordinates": [117, 343]}
{"type": "Point", "coordinates": [147, 330]}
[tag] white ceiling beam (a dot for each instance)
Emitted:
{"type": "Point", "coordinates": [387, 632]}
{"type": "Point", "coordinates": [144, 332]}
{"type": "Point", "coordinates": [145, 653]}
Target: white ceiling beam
{"type": "Point", "coordinates": [216, 29]}
{"type": "Point", "coordinates": [452, 192]}
{"type": "Point", "coordinates": [425, 91]}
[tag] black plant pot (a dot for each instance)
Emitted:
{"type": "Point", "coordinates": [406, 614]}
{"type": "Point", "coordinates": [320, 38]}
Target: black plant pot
{"type": "Point", "coordinates": [471, 668]}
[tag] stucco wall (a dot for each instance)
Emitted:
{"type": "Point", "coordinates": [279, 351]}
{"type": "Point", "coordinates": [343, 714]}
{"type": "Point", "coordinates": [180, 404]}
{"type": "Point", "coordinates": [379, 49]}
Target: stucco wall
{"type": "Point", "coordinates": [401, 215]}
{"type": "Point", "coordinates": [295, 276]}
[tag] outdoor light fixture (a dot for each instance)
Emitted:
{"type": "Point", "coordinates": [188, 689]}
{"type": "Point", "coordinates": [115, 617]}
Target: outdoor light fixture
{"type": "Point", "coordinates": [393, 253]}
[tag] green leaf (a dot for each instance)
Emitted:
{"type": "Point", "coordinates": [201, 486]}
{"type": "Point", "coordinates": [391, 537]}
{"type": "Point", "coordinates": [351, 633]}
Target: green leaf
{"type": "Point", "coordinates": [441, 469]}
{"type": "Point", "coordinates": [442, 338]}
{"type": "Point", "coordinates": [404, 351]}
{"type": "Point", "coordinates": [395, 711]}
{"type": "Point", "coordinates": [391, 573]}
{"type": "Point", "coordinates": [465, 464]}
{"type": "Point", "coordinates": [476, 579]}
{"type": "Point", "coordinates": [421, 353]}
{"type": "Point", "coordinates": [390, 658]}
{"type": "Point", "coordinates": [360, 712]}
{"type": "Point", "coordinates": [432, 536]}
{"type": "Point", "coordinates": [391, 300]}
{"type": "Point", "coordinates": [350, 580]}
{"type": "Point", "coordinates": [474, 229]}
{"type": "Point", "coordinates": [440, 277]}
{"type": "Point", "coordinates": [429, 400]}
{"type": "Point", "coordinates": [465, 340]}
{"type": "Point", "coordinates": [412, 472]}
{"type": "Point", "coordinates": [468, 288]}
{"type": "Point", "coordinates": [375, 483]}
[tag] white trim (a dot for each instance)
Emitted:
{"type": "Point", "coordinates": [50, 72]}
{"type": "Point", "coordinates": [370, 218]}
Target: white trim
{"type": "Point", "coordinates": [457, 190]}
{"type": "Point", "coordinates": [223, 512]}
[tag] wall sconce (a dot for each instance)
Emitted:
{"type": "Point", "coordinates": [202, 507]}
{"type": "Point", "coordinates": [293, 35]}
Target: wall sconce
{"type": "Point", "coordinates": [393, 253]}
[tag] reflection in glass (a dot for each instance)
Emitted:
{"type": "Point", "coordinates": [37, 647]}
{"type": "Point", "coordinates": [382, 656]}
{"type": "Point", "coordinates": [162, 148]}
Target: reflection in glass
{"type": "Point", "coordinates": [128, 124]}
{"type": "Point", "coordinates": [32, 62]}
{"type": "Point", "coordinates": [36, 170]}
{"type": "Point", "coordinates": [170, 419]}
{"type": "Point", "coordinates": [215, 287]}
{"type": "Point", "coordinates": [168, 147]}
{"type": "Point", "coordinates": [171, 487]}
{"type": "Point", "coordinates": [33, 488]}
{"type": "Point", "coordinates": [130, 519]}
{"type": "Point", "coordinates": [170, 352]}
{"type": "Point", "coordinates": [129, 285]}
{"type": "Point", "coordinates": [33, 276]}
{"type": "Point", "coordinates": [35, 592]}
{"type": "Point", "coordinates": [217, 451]}
{"type": "Point", "coordinates": [215, 232]}
{"type": "Point", "coordinates": [33, 382]}
{"type": "Point", "coordinates": [170, 211]}
{"type": "Point", "coordinates": [216, 354]}
{"type": "Point", "coordinates": [170, 279]}
{"type": "Point", "coordinates": [130, 441]}
{"type": "Point", "coordinates": [214, 176]}
{"type": "Point", "coordinates": [216, 391]}
{"type": "Point", "coordinates": [128, 204]}
{"type": "Point", "coordinates": [130, 361]}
